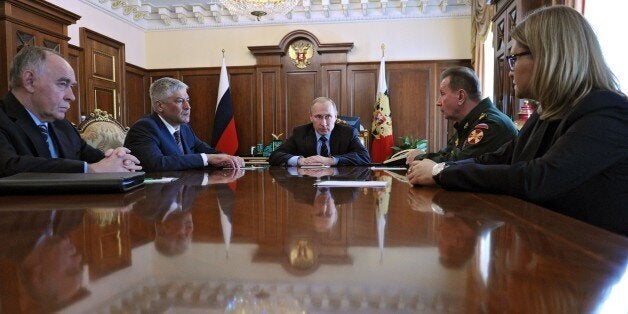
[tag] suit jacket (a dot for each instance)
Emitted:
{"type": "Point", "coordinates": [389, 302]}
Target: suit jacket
{"type": "Point", "coordinates": [22, 148]}
{"type": "Point", "coordinates": [151, 142]}
{"type": "Point", "coordinates": [344, 144]}
{"type": "Point", "coordinates": [577, 165]}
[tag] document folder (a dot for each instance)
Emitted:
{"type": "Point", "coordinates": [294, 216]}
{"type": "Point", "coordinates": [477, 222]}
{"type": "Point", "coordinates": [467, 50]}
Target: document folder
{"type": "Point", "coordinates": [49, 183]}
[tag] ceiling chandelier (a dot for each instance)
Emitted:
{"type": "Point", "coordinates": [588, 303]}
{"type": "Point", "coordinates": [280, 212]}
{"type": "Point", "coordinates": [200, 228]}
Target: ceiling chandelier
{"type": "Point", "coordinates": [259, 8]}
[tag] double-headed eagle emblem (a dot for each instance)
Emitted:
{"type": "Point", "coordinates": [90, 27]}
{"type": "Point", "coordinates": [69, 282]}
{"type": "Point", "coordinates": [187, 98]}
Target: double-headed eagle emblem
{"type": "Point", "coordinates": [301, 54]}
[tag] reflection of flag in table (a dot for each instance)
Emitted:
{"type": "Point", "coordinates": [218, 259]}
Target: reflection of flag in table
{"type": "Point", "coordinates": [381, 127]}
{"type": "Point", "coordinates": [224, 136]}
{"type": "Point", "coordinates": [383, 199]}
{"type": "Point", "coordinates": [225, 195]}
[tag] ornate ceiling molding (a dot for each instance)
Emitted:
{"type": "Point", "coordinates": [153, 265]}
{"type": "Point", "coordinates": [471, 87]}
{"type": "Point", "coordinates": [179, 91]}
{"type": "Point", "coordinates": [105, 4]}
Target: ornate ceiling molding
{"type": "Point", "coordinates": [189, 14]}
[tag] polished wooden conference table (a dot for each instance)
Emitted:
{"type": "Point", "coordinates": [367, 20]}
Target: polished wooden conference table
{"type": "Point", "coordinates": [268, 239]}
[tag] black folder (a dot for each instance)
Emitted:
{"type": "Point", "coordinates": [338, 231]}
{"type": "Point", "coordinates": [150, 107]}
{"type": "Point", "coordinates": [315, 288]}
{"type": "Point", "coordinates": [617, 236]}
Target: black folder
{"type": "Point", "coordinates": [49, 183]}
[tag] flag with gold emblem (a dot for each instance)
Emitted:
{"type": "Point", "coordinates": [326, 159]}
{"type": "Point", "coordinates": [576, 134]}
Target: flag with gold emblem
{"type": "Point", "coordinates": [381, 127]}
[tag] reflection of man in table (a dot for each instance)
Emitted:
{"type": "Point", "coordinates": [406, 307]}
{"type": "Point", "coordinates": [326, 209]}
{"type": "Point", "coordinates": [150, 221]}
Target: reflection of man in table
{"type": "Point", "coordinates": [300, 183]}
{"type": "Point", "coordinates": [52, 271]}
{"type": "Point", "coordinates": [49, 264]}
{"type": "Point", "coordinates": [169, 207]}
{"type": "Point", "coordinates": [458, 230]}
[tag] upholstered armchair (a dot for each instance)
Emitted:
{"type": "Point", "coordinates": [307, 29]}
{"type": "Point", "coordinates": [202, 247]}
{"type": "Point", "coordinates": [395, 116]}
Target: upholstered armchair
{"type": "Point", "coordinates": [102, 131]}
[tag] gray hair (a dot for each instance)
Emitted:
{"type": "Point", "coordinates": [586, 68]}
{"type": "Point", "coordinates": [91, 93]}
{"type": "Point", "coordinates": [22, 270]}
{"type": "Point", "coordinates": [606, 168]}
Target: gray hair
{"type": "Point", "coordinates": [164, 88]}
{"type": "Point", "coordinates": [463, 78]}
{"type": "Point", "coordinates": [322, 100]}
{"type": "Point", "coordinates": [28, 58]}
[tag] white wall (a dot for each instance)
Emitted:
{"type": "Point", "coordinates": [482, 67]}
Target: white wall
{"type": "Point", "coordinates": [96, 20]}
{"type": "Point", "coordinates": [607, 25]}
{"type": "Point", "coordinates": [419, 39]}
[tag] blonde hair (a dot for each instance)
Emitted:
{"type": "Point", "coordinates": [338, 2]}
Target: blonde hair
{"type": "Point", "coordinates": [568, 60]}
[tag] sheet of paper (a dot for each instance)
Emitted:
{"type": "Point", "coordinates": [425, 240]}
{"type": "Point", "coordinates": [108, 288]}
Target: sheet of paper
{"type": "Point", "coordinates": [389, 168]}
{"type": "Point", "coordinates": [248, 168]}
{"type": "Point", "coordinates": [314, 166]}
{"type": "Point", "coordinates": [351, 183]}
{"type": "Point", "coordinates": [159, 180]}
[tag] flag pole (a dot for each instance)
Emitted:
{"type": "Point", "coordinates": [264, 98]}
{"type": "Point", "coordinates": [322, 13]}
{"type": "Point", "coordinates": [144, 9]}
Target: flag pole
{"type": "Point", "coordinates": [223, 53]}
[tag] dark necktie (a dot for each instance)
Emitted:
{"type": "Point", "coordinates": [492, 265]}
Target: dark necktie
{"type": "Point", "coordinates": [324, 151]}
{"type": "Point", "coordinates": [177, 139]}
{"type": "Point", "coordinates": [43, 129]}
{"type": "Point", "coordinates": [45, 135]}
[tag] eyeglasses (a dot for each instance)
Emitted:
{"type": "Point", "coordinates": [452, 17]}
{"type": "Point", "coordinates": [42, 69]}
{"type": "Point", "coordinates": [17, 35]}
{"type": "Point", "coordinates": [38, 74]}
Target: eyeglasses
{"type": "Point", "coordinates": [512, 59]}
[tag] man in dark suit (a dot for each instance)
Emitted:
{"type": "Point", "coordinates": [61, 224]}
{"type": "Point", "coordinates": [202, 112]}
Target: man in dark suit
{"type": "Point", "coordinates": [163, 140]}
{"type": "Point", "coordinates": [321, 142]}
{"type": "Point", "coordinates": [34, 136]}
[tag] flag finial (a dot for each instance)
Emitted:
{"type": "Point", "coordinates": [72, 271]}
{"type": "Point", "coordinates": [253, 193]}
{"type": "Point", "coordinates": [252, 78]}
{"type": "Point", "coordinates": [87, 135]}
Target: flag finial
{"type": "Point", "coordinates": [383, 48]}
{"type": "Point", "coordinates": [223, 53]}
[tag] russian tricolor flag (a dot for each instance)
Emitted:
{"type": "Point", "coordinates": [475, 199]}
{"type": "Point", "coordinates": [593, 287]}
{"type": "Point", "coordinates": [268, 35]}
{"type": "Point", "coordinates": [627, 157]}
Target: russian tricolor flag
{"type": "Point", "coordinates": [224, 136]}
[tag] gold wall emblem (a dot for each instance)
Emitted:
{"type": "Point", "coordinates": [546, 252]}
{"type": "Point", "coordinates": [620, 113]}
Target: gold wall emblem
{"type": "Point", "coordinates": [301, 54]}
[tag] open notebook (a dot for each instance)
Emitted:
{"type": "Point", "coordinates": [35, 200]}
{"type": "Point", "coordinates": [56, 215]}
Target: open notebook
{"type": "Point", "coordinates": [48, 183]}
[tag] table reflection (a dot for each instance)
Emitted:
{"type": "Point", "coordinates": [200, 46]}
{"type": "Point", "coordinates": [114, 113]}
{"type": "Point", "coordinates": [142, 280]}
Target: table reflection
{"type": "Point", "coordinates": [218, 239]}
{"type": "Point", "coordinates": [39, 261]}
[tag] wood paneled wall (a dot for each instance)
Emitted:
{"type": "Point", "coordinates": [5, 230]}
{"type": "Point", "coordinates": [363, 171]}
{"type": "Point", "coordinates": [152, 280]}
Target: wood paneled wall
{"type": "Point", "coordinates": [274, 95]}
{"type": "Point", "coordinates": [412, 86]}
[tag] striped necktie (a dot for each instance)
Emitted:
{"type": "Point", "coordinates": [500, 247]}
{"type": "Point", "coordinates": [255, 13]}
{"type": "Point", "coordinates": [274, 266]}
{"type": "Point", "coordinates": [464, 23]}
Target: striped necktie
{"type": "Point", "coordinates": [45, 135]}
{"type": "Point", "coordinates": [177, 139]}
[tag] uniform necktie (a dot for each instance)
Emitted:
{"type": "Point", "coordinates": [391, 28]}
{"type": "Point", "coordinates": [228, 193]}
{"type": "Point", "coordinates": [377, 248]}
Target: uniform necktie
{"type": "Point", "coordinates": [324, 151]}
{"type": "Point", "coordinates": [177, 139]}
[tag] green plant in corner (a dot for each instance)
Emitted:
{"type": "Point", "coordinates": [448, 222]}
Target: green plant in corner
{"type": "Point", "coordinates": [409, 142]}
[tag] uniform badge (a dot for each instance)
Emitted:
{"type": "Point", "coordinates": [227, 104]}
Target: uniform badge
{"type": "Point", "coordinates": [475, 136]}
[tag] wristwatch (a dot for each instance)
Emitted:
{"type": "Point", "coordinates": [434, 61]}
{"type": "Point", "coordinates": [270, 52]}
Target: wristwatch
{"type": "Point", "coordinates": [437, 169]}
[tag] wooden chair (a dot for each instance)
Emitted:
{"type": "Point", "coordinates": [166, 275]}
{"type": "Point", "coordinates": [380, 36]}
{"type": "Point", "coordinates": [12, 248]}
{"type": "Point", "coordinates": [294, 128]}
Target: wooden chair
{"type": "Point", "coordinates": [102, 131]}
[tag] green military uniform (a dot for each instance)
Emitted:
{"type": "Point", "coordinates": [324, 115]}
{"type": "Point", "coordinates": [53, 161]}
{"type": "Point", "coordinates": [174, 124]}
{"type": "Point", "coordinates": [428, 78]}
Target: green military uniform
{"type": "Point", "coordinates": [483, 130]}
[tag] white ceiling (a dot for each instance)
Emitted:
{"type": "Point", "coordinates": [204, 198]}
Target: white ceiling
{"type": "Point", "coordinates": [190, 14]}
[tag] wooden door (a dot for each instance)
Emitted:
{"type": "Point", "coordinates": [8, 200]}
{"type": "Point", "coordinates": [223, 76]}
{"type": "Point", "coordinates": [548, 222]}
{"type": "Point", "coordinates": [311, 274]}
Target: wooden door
{"type": "Point", "coordinates": [104, 68]}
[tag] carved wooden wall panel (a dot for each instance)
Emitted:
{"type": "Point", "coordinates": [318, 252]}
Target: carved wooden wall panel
{"type": "Point", "coordinates": [137, 99]}
{"type": "Point", "coordinates": [203, 92]}
{"type": "Point", "coordinates": [362, 88]}
{"type": "Point", "coordinates": [271, 113]}
{"type": "Point", "coordinates": [104, 75]}
{"type": "Point", "coordinates": [76, 60]}
{"type": "Point", "coordinates": [31, 22]}
{"type": "Point", "coordinates": [243, 95]}
{"type": "Point", "coordinates": [410, 99]}
{"type": "Point", "coordinates": [106, 99]}
{"type": "Point", "coordinates": [334, 78]}
{"type": "Point", "coordinates": [301, 89]}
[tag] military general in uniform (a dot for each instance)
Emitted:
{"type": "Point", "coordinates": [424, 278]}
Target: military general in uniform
{"type": "Point", "coordinates": [479, 126]}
